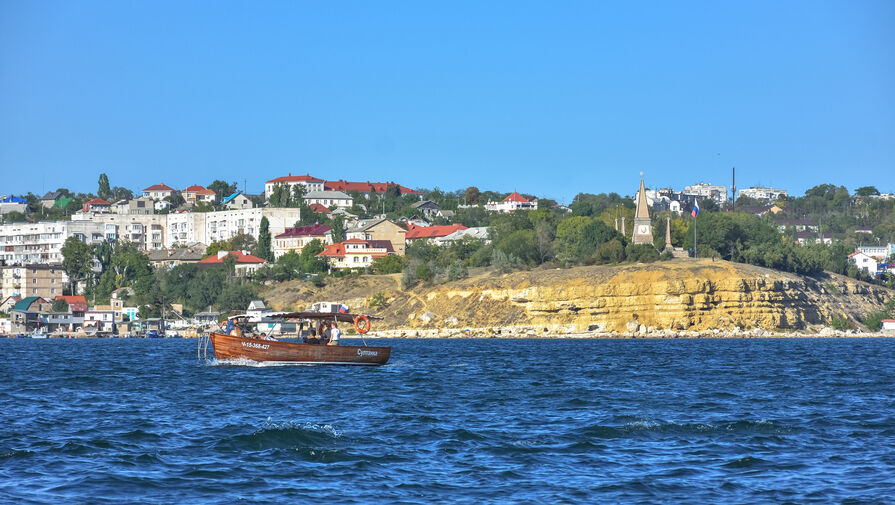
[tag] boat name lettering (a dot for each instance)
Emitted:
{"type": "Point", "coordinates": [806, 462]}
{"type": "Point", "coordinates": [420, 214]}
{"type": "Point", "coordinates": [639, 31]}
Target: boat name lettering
{"type": "Point", "coordinates": [253, 345]}
{"type": "Point", "coordinates": [363, 352]}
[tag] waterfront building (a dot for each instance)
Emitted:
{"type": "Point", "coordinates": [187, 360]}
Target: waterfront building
{"type": "Point", "coordinates": [703, 190]}
{"type": "Point", "coordinates": [38, 279]}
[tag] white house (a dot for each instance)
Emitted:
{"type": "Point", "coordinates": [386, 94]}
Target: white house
{"type": "Point", "coordinates": [158, 191]}
{"type": "Point", "coordinates": [889, 325]}
{"type": "Point", "coordinates": [102, 320]}
{"type": "Point", "coordinates": [862, 261]}
{"type": "Point", "coordinates": [356, 253]}
{"type": "Point", "coordinates": [512, 203]}
{"type": "Point", "coordinates": [329, 198]}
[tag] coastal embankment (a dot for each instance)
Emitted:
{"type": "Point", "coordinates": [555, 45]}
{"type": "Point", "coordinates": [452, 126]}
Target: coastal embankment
{"type": "Point", "coordinates": [678, 298]}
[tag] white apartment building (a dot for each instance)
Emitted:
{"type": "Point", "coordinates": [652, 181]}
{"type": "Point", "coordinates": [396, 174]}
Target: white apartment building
{"type": "Point", "coordinates": [762, 193]}
{"type": "Point", "coordinates": [146, 231]}
{"type": "Point", "coordinates": [703, 190]}
{"type": "Point", "coordinates": [208, 227]}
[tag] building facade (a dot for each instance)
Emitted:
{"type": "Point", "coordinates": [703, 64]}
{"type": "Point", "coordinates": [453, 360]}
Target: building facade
{"type": "Point", "coordinates": [309, 182]}
{"type": "Point", "coordinates": [39, 279]}
{"type": "Point", "coordinates": [703, 190]}
{"type": "Point", "coordinates": [295, 239]}
{"type": "Point", "coordinates": [762, 193]}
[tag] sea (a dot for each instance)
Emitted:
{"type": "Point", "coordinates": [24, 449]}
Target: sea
{"type": "Point", "coordinates": [469, 421]}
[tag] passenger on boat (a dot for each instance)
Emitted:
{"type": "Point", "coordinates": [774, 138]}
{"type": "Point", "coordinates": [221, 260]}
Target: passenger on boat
{"type": "Point", "coordinates": [334, 334]}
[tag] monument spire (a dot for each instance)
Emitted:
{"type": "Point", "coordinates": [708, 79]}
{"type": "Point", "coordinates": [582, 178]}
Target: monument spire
{"type": "Point", "coordinates": [643, 228]}
{"type": "Point", "coordinates": [668, 246]}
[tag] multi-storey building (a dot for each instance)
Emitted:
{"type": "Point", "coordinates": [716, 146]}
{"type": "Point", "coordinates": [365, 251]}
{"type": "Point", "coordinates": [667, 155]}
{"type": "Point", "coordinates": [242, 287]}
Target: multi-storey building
{"type": "Point", "coordinates": [356, 253]}
{"type": "Point", "coordinates": [379, 229]}
{"type": "Point", "coordinates": [761, 193]}
{"type": "Point", "coordinates": [22, 243]}
{"type": "Point", "coordinates": [703, 190]}
{"type": "Point", "coordinates": [208, 227]}
{"type": "Point", "coordinates": [146, 231]}
{"type": "Point", "coordinates": [43, 280]}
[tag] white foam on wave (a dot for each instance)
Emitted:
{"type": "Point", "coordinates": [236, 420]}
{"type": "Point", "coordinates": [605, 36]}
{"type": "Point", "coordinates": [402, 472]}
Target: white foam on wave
{"type": "Point", "coordinates": [328, 429]}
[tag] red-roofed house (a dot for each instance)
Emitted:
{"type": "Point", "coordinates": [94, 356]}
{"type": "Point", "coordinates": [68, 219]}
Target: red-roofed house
{"type": "Point", "coordinates": [319, 209]}
{"type": "Point", "coordinates": [512, 203]}
{"type": "Point", "coordinates": [196, 194]}
{"type": "Point", "coordinates": [429, 233]}
{"type": "Point", "coordinates": [366, 188]}
{"type": "Point", "coordinates": [97, 205]}
{"type": "Point", "coordinates": [295, 239]}
{"type": "Point", "coordinates": [77, 305]}
{"type": "Point", "coordinates": [309, 182]}
{"type": "Point", "coordinates": [158, 191]}
{"type": "Point", "coordinates": [356, 253]}
{"type": "Point", "coordinates": [246, 264]}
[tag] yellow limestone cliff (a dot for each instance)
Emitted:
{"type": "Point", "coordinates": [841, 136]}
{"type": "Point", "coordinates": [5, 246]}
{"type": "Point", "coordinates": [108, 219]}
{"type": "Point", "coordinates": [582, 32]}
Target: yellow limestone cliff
{"type": "Point", "coordinates": [677, 295]}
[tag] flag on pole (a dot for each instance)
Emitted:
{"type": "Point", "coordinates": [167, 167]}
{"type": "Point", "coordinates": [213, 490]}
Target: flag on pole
{"type": "Point", "coordinates": [343, 309]}
{"type": "Point", "coordinates": [695, 211]}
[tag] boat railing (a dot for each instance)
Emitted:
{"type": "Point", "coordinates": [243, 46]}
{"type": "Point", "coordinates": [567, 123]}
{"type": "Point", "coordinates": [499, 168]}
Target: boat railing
{"type": "Point", "coordinates": [202, 350]}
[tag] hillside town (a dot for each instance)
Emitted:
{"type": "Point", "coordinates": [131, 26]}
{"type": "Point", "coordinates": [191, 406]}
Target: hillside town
{"type": "Point", "coordinates": [340, 226]}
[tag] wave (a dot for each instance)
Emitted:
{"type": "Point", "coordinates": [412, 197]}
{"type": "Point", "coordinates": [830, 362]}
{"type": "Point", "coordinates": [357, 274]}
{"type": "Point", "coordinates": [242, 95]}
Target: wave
{"type": "Point", "coordinates": [282, 435]}
{"type": "Point", "coordinates": [647, 428]}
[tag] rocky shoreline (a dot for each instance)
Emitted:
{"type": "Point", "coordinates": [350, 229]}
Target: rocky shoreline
{"type": "Point", "coordinates": [534, 333]}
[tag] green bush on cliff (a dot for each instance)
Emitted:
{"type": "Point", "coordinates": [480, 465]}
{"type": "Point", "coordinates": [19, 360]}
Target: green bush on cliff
{"type": "Point", "coordinates": [874, 320]}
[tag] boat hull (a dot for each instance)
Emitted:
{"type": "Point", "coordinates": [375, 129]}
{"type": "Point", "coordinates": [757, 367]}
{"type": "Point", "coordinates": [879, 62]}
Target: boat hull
{"type": "Point", "coordinates": [229, 347]}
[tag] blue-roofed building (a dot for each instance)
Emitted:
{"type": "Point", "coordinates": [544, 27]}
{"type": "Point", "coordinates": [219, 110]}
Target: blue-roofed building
{"type": "Point", "coordinates": [237, 201]}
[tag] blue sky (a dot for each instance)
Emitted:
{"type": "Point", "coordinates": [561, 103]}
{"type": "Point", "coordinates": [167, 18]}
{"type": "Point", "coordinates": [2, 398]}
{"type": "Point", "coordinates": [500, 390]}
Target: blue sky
{"type": "Point", "coordinates": [550, 98]}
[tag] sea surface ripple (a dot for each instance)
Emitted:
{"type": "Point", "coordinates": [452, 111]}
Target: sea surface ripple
{"type": "Point", "coordinates": [453, 421]}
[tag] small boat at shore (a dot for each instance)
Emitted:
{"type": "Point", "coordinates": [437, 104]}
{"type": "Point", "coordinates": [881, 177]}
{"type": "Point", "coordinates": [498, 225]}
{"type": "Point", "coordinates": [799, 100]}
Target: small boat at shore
{"type": "Point", "coordinates": [237, 344]}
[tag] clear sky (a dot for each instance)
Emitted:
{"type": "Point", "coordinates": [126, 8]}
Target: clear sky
{"type": "Point", "coordinates": [550, 98]}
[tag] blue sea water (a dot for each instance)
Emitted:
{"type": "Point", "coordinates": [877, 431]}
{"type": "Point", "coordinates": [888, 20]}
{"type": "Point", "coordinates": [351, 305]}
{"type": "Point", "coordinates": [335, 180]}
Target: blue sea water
{"type": "Point", "coordinates": [453, 421]}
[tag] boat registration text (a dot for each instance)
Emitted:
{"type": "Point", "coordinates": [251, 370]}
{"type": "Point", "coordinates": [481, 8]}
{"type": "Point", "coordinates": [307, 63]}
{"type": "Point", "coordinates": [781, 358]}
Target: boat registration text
{"type": "Point", "coordinates": [253, 345]}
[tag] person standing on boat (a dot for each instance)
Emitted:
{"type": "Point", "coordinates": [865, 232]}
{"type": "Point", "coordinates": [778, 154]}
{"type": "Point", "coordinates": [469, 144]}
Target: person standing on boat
{"type": "Point", "coordinates": [334, 334]}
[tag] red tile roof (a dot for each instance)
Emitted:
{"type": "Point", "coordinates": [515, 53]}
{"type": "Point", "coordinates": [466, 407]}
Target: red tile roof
{"type": "Point", "coordinates": [313, 230]}
{"type": "Point", "coordinates": [96, 201]}
{"type": "Point", "coordinates": [516, 197]}
{"type": "Point", "coordinates": [415, 231]}
{"type": "Point", "coordinates": [199, 190]}
{"type": "Point", "coordinates": [333, 250]}
{"type": "Point", "coordinates": [365, 187]}
{"type": "Point", "coordinates": [855, 254]}
{"type": "Point", "coordinates": [240, 258]}
{"type": "Point", "coordinates": [319, 208]}
{"type": "Point", "coordinates": [75, 303]}
{"type": "Point", "coordinates": [159, 187]}
{"type": "Point", "coordinates": [295, 178]}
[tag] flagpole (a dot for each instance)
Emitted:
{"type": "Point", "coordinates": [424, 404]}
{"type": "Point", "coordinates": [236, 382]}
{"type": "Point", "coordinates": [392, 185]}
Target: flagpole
{"type": "Point", "coordinates": [694, 228]}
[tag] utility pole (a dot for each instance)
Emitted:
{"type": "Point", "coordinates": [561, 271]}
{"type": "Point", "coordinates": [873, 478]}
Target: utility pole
{"type": "Point", "coordinates": [733, 187]}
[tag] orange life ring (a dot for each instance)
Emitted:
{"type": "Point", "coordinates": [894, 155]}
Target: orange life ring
{"type": "Point", "coordinates": [366, 326]}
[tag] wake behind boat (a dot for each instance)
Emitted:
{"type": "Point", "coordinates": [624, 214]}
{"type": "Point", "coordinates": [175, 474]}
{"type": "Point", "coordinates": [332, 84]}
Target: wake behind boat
{"type": "Point", "coordinates": [319, 345]}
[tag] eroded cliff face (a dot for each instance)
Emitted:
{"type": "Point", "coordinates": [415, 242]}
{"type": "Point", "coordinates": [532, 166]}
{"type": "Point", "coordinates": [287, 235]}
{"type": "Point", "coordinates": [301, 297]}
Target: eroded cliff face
{"type": "Point", "coordinates": [675, 295]}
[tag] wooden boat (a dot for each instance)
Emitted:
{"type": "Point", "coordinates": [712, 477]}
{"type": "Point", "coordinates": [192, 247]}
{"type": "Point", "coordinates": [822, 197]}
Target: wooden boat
{"type": "Point", "coordinates": [253, 347]}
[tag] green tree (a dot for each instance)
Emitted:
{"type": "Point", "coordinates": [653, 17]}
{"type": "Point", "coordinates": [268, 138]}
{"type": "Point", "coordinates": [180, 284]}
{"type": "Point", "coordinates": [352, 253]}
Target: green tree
{"type": "Point", "coordinates": [391, 264]}
{"type": "Point", "coordinates": [222, 189]}
{"type": "Point", "coordinates": [310, 262]}
{"type": "Point", "coordinates": [104, 191]}
{"type": "Point", "coordinates": [76, 261]}
{"type": "Point", "coordinates": [472, 195]}
{"type": "Point", "coordinates": [263, 249]}
{"type": "Point", "coordinates": [338, 229]}
{"type": "Point", "coordinates": [119, 193]}
{"type": "Point", "coordinates": [457, 270]}
{"type": "Point", "coordinates": [867, 191]}
{"type": "Point", "coordinates": [60, 305]}
{"type": "Point", "coordinates": [176, 199]}
{"type": "Point", "coordinates": [242, 242]}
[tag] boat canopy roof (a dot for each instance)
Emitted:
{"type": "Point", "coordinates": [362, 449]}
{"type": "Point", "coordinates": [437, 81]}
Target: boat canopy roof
{"type": "Point", "coordinates": [328, 316]}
